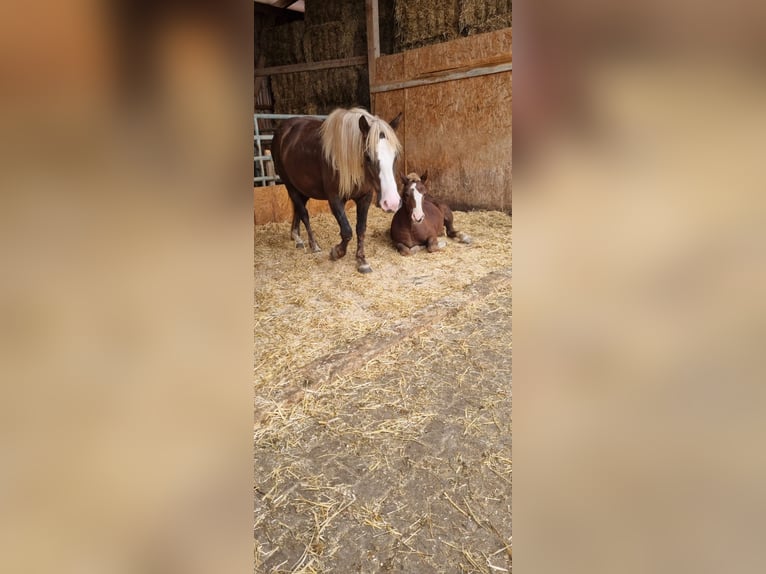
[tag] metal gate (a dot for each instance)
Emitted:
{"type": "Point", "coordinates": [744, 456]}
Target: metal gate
{"type": "Point", "coordinates": [264, 172]}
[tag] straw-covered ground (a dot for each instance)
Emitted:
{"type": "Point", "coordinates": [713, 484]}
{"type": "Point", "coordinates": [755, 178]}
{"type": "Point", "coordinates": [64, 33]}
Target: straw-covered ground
{"type": "Point", "coordinates": [383, 403]}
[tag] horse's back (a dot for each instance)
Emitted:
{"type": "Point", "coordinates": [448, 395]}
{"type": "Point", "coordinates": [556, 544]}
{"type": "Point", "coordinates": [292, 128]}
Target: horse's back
{"type": "Point", "coordinates": [297, 153]}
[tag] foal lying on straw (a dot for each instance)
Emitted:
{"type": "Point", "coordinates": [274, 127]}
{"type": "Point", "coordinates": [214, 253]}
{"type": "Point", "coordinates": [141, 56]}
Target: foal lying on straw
{"type": "Point", "coordinates": [421, 219]}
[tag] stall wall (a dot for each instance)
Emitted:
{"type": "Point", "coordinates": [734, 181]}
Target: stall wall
{"type": "Point", "coordinates": [459, 130]}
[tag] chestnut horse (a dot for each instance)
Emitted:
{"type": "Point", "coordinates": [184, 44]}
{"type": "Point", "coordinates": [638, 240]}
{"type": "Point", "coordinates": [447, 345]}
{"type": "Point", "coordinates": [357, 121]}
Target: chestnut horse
{"type": "Point", "coordinates": [347, 156]}
{"type": "Point", "coordinates": [421, 219]}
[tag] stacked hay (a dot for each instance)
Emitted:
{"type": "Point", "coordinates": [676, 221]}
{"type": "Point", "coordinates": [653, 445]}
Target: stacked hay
{"type": "Point", "coordinates": [423, 22]}
{"type": "Point", "coordinates": [320, 91]}
{"type": "Point", "coordinates": [289, 91]}
{"type": "Point", "coordinates": [333, 40]}
{"type": "Point", "coordinates": [324, 11]}
{"type": "Point", "coordinates": [478, 16]}
{"type": "Point", "coordinates": [333, 30]}
{"type": "Point", "coordinates": [283, 44]}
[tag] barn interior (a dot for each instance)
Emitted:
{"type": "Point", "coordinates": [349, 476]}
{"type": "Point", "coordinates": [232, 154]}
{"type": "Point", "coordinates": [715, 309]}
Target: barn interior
{"type": "Point", "coordinates": [383, 401]}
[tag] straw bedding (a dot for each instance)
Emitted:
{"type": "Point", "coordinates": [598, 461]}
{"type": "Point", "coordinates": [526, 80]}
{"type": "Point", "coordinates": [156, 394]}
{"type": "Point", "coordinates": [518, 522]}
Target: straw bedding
{"type": "Point", "coordinates": [307, 305]}
{"type": "Point", "coordinates": [405, 463]}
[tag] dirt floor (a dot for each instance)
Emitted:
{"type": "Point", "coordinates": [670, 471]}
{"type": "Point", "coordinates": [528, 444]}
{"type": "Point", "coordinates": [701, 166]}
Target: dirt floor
{"type": "Point", "coordinates": [383, 403]}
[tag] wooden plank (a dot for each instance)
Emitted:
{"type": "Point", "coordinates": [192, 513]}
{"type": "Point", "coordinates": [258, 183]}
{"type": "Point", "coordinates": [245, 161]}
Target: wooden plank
{"type": "Point", "coordinates": [271, 204]}
{"type": "Point", "coordinates": [259, 79]}
{"type": "Point", "coordinates": [373, 38]}
{"type": "Point", "coordinates": [478, 109]}
{"type": "Point", "coordinates": [339, 63]}
{"type": "Point", "coordinates": [445, 76]}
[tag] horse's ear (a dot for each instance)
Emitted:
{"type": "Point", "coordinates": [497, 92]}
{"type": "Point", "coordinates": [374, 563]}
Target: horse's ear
{"type": "Point", "coordinates": [395, 122]}
{"type": "Point", "coordinates": [424, 177]}
{"type": "Point", "coordinates": [363, 125]}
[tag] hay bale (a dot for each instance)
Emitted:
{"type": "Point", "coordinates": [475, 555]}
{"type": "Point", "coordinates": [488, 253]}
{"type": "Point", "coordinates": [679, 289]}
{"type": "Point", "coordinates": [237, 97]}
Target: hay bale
{"type": "Point", "coordinates": [291, 93]}
{"type": "Point", "coordinates": [334, 40]}
{"type": "Point", "coordinates": [320, 91]}
{"type": "Point", "coordinates": [324, 11]}
{"type": "Point", "coordinates": [424, 22]}
{"type": "Point", "coordinates": [283, 44]}
{"type": "Point", "coordinates": [340, 88]}
{"type": "Point", "coordinates": [478, 16]}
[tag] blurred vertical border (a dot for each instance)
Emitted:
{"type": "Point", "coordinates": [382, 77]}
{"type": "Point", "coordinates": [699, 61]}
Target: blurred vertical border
{"type": "Point", "coordinates": [639, 314]}
{"type": "Point", "coordinates": [126, 287]}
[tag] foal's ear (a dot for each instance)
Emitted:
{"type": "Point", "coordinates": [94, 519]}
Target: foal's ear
{"type": "Point", "coordinates": [363, 125]}
{"type": "Point", "coordinates": [404, 179]}
{"type": "Point", "coordinates": [395, 122]}
{"type": "Point", "coordinates": [424, 177]}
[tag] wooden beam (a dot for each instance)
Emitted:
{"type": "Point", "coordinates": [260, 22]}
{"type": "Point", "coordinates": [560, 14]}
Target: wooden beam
{"type": "Point", "coordinates": [284, 3]}
{"type": "Point", "coordinates": [259, 79]}
{"type": "Point", "coordinates": [373, 41]}
{"type": "Point", "coordinates": [444, 76]}
{"type": "Point", "coordinates": [307, 67]}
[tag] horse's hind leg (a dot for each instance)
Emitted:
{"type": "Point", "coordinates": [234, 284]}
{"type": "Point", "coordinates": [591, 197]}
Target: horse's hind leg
{"type": "Point", "coordinates": [452, 233]}
{"type": "Point", "coordinates": [448, 220]}
{"type": "Point", "coordinates": [295, 230]}
{"type": "Point", "coordinates": [300, 213]}
{"type": "Point", "coordinates": [435, 244]}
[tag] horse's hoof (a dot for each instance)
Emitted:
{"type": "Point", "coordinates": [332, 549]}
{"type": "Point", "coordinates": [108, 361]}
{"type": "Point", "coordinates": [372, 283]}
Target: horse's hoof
{"type": "Point", "coordinates": [364, 268]}
{"type": "Point", "coordinates": [316, 249]}
{"type": "Point", "coordinates": [299, 244]}
{"type": "Point", "coordinates": [466, 239]}
{"type": "Point", "coordinates": [441, 244]}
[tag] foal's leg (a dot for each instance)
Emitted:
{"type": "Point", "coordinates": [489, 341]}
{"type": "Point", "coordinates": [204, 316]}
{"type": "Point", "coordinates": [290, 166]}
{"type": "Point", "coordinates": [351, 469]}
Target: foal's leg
{"type": "Point", "coordinates": [448, 219]}
{"type": "Point", "coordinates": [300, 213]}
{"type": "Point", "coordinates": [338, 208]}
{"type": "Point", "coordinates": [434, 244]}
{"type": "Point", "coordinates": [452, 233]}
{"type": "Point", "coordinates": [362, 207]}
{"type": "Point", "coordinates": [404, 250]}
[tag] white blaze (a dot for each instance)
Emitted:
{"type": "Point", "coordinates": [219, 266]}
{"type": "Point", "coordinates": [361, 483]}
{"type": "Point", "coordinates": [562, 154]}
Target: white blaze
{"type": "Point", "coordinates": [417, 211]}
{"type": "Point", "coordinates": [389, 197]}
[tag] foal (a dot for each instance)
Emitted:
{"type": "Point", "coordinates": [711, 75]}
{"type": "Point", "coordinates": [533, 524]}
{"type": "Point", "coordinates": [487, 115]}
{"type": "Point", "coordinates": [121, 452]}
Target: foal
{"type": "Point", "coordinates": [421, 219]}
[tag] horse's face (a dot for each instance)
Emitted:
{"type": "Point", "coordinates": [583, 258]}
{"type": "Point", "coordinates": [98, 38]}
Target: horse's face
{"type": "Point", "coordinates": [380, 168]}
{"type": "Point", "coordinates": [413, 193]}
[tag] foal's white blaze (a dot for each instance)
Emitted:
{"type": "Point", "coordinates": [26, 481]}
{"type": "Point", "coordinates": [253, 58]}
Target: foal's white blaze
{"type": "Point", "coordinates": [417, 211]}
{"type": "Point", "coordinates": [389, 197]}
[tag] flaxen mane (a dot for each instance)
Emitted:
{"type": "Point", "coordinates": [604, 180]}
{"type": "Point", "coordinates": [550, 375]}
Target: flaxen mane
{"type": "Point", "coordinates": [344, 145]}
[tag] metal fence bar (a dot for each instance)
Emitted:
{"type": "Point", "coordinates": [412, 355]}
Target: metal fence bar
{"type": "Point", "coordinates": [260, 157]}
{"type": "Point", "coordinates": [259, 153]}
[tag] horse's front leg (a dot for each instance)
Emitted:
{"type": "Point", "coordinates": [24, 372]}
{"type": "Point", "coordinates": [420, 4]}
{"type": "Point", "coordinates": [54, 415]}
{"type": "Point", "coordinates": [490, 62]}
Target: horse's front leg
{"type": "Point", "coordinates": [338, 208]}
{"type": "Point", "coordinates": [362, 207]}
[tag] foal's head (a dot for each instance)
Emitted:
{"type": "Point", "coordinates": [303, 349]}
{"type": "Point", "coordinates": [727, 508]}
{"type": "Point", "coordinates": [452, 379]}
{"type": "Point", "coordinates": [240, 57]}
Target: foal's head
{"type": "Point", "coordinates": [413, 191]}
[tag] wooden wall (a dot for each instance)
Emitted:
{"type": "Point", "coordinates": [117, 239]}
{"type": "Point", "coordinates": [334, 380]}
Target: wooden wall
{"type": "Point", "coordinates": [272, 205]}
{"type": "Point", "coordinates": [459, 130]}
